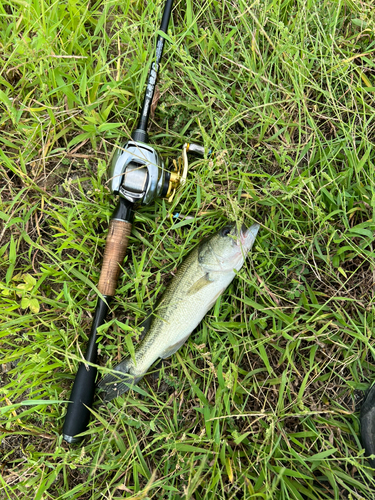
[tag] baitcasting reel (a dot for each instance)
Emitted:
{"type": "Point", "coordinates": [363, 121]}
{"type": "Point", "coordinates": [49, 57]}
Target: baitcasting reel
{"type": "Point", "coordinates": [137, 172]}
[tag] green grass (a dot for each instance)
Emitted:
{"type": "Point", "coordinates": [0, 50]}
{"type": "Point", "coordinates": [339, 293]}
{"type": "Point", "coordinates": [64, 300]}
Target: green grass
{"type": "Point", "coordinates": [259, 403]}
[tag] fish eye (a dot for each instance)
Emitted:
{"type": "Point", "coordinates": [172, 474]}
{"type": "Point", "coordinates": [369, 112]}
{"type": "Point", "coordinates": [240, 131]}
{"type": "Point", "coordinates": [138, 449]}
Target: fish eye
{"type": "Point", "coordinates": [225, 231]}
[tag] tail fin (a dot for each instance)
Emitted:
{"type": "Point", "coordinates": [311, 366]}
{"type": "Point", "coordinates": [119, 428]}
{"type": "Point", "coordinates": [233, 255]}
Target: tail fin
{"type": "Point", "coordinates": [120, 381]}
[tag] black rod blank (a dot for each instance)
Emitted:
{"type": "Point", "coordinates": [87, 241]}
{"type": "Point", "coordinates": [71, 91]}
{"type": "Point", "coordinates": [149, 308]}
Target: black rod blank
{"type": "Point", "coordinates": [140, 133]}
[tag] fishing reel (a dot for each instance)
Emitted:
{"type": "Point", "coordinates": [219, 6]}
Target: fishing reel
{"type": "Point", "coordinates": [138, 174]}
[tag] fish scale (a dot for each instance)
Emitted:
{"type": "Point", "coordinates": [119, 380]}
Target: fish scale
{"type": "Point", "coordinates": [200, 280]}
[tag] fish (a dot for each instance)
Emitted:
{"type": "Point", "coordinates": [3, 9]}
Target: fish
{"type": "Point", "coordinates": [201, 278]}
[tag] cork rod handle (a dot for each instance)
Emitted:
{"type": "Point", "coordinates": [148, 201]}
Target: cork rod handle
{"type": "Point", "coordinates": [114, 253]}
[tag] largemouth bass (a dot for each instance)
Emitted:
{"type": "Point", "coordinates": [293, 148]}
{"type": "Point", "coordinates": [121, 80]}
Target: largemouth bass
{"type": "Point", "coordinates": [200, 280]}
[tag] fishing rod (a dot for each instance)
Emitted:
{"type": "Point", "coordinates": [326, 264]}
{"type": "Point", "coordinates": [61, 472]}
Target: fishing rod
{"type": "Point", "coordinates": [137, 176]}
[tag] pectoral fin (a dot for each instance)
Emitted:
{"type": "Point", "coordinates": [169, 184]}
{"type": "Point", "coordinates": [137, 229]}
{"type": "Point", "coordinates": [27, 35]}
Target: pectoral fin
{"type": "Point", "coordinates": [173, 348]}
{"type": "Point", "coordinates": [198, 285]}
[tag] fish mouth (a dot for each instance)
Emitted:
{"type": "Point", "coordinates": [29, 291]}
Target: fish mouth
{"type": "Point", "coordinates": [248, 235]}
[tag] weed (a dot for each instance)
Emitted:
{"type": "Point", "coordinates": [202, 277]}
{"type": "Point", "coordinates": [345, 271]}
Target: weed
{"type": "Point", "coordinates": [259, 402]}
